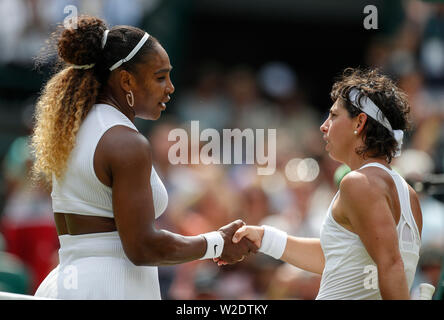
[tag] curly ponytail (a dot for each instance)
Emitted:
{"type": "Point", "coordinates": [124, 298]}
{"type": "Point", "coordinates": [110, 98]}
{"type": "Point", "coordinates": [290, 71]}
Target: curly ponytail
{"type": "Point", "coordinates": [66, 99]}
{"type": "Point", "coordinates": [70, 94]}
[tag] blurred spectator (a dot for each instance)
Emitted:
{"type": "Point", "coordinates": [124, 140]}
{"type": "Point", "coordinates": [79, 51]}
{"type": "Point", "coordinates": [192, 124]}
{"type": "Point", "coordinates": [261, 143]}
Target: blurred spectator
{"type": "Point", "coordinates": [440, 287]}
{"type": "Point", "coordinates": [251, 109]}
{"type": "Point", "coordinates": [429, 269]}
{"type": "Point", "coordinates": [14, 276]}
{"type": "Point", "coordinates": [158, 138]}
{"type": "Point", "coordinates": [23, 33]}
{"type": "Point", "coordinates": [416, 165]}
{"type": "Point", "coordinates": [205, 101]}
{"type": "Point", "coordinates": [432, 47]}
{"type": "Point", "coordinates": [289, 282]}
{"type": "Point", "coordinates": [254, 205]}
{"type": "Point", "coordinates": [27, 219]}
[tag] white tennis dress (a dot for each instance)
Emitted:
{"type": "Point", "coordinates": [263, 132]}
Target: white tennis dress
{"type": "Point", "coordinates": [350, 273]}
{"type": "Point", "coordinates": [94, 266]}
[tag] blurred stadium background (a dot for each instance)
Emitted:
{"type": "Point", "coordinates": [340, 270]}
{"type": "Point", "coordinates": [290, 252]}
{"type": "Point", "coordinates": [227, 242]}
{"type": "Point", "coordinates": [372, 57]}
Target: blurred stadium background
{"type": "Point", "coordinates": [237, 64]}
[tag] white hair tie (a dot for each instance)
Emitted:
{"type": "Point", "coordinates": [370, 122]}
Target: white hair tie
{"type": "Point", "coordinates": [89, 66]}
{"type": "Point", "coordinates": [83, 66]}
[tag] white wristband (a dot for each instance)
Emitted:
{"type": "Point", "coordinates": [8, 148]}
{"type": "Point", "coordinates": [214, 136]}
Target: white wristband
{"type": "Point", "coordinates": [215, 245]}
{"type": "Point", "coordinates": [273, 242]}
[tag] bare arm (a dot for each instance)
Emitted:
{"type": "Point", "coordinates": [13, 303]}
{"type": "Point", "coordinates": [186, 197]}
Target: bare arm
{"type": "Point", "coordinates": [304, 253]}
{"type": "Point", "coordinates": [372, 219]}
{"type": "Point", "coordinates": [130, 166]}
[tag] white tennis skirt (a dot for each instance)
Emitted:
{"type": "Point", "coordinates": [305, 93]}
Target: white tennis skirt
{"type": "Point", "coordinates": [94, 266]}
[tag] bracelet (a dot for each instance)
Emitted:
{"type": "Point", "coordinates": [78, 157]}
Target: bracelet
{"type": "Point", "coordinates": [215, 245]}
{"type": "Point", "coordinates": [273, 242]}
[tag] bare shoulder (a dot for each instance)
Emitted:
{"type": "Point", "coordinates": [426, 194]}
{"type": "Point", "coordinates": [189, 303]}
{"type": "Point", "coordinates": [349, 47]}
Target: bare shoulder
{"type": "Point", "coordinates": [365, 204]}
{"type": "Point", "coordinates": [361, 192]}
{"type": "Point", "coordinates": [364, 184]}
{"type": "Point", "coordinates": [127, 147]}
{"type": "Point", "coordinates": [126, 137]}
{"type": "Point", "coordinates": [372, 184]}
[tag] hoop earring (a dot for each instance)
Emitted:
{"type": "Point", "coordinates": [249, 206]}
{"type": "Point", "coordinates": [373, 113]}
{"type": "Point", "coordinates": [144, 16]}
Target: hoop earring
{"type": "Point", "coordinates": [130, 96]}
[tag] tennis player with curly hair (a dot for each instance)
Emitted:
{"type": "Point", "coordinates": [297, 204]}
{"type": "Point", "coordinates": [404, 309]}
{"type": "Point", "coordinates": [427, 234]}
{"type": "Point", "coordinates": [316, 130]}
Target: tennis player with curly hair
{"type": "Point", "coordinates": [106, 194]}
{"type": "Point", "coordinates": [374, 221]}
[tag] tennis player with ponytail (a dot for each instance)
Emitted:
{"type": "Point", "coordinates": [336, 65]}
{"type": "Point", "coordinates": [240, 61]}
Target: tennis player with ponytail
{"type": "Point", "coordinates": [106, 194]}
{"type": "Point", "coordinates": [374, 221]}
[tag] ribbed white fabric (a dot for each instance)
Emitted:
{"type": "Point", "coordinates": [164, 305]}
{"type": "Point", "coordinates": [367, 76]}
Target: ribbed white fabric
{"type": "Point", "coordinates": [80, 191]}
{"type": "Point", "coordinates": [94, 267]}
{"type": "Point", "coordinates": [347, 261]}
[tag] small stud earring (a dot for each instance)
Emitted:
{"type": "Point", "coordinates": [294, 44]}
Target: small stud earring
{"type": "Point", "coordinates": [355, 132]}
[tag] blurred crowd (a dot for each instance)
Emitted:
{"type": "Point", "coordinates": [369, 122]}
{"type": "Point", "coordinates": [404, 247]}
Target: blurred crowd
{"type": "Point", "coordinates": [29, 22]}
{"type": "Point", "coordinates": [205, 197]}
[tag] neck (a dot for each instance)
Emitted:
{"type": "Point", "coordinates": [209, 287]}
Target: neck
{"type": "Point", "coordinates": [107, 97]}
{"type": "Point", "coordinates": [356, 161]}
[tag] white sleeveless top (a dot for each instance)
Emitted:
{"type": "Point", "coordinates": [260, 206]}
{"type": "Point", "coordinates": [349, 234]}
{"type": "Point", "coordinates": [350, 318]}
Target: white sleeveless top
{"type": "Point", "coordinates": [80, 191]}
{"type": "Point", "coordinates": [350, 273]}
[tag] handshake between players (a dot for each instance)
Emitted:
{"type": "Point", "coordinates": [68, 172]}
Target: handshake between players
{"type": "Point", "coordinates": [240, 241]}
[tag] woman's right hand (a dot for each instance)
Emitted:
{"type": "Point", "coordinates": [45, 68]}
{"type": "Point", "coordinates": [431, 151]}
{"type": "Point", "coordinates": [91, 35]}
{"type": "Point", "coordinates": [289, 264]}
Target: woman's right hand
{"type": "Point", "coordinates": [253, 233]}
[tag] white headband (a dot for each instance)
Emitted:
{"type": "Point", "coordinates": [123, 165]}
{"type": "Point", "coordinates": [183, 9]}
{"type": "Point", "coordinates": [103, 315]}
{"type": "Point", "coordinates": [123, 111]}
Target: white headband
{"type": "Point", "coordinates": [104, 38]}
{"type": "Point", "coordinates": [132, 53]}
{"type": "Point", "coordinates": [372, 110]}
{"type": "Point", "coordinates": [120, 62]}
